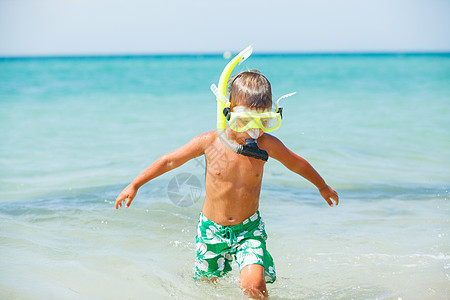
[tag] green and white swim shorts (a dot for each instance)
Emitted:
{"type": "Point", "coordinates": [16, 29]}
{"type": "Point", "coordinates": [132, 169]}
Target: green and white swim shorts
{"type": "Point", "coordinates": [218, 245]}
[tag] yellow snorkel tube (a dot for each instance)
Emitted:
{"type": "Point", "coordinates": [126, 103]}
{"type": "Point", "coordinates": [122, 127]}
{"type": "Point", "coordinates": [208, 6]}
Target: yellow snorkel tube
{"type": "Point", "coordinates": [251, 149]}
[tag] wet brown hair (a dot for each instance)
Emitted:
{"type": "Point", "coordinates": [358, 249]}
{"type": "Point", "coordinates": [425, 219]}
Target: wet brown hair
{"type": "Point", "coordinates": [250, 89]}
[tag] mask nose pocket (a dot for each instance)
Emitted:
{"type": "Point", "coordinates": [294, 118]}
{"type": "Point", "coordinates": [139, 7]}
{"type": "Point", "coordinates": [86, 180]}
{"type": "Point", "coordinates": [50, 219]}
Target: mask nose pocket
{"type": "Point", "coordinates": [253, 133]}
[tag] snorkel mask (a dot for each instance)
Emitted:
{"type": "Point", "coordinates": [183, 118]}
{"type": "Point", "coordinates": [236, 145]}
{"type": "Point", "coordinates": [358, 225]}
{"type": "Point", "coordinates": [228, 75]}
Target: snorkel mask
{"type": "Point", "coordinates": [242, 119]}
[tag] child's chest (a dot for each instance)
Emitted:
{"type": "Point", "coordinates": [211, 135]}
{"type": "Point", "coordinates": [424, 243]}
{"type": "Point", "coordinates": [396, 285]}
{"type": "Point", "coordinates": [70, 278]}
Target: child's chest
{"type": "Point", "coordinates": [223, 163]}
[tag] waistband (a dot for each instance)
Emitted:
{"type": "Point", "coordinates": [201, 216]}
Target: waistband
{"type": "Point", "coordinates": [248, 223]}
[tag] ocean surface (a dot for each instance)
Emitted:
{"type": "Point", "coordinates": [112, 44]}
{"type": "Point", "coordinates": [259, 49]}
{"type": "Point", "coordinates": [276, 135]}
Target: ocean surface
{"type": "Point", "coordinates": [75, 131]}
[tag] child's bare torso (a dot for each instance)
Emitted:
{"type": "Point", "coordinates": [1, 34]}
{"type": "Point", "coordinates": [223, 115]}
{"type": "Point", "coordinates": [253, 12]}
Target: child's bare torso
{"type": "Point", "coordinates": [233, 184]}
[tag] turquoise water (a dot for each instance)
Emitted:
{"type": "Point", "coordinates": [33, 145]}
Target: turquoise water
{"type": "Point", "coordinates": [75, 131]}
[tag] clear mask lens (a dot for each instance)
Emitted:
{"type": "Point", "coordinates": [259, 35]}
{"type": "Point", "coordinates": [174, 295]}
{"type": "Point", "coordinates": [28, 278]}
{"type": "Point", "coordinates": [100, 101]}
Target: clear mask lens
{"type": "Point", "coordinates": [268, 123]}
{"type": "Point", "coordinates": [241, 124]}
{"type": "Point", "coordinates": [253, 133]}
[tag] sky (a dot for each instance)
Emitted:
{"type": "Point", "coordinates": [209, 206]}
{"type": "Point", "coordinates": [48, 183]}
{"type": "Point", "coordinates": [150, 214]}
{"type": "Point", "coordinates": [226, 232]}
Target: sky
{"type": "Point", "coordinates": [127, 27]}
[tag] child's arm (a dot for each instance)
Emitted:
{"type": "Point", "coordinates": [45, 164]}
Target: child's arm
{"type": "Point", "coordinates": [167, 162]}
{"type": "Point", "coordinates": [298, 165]}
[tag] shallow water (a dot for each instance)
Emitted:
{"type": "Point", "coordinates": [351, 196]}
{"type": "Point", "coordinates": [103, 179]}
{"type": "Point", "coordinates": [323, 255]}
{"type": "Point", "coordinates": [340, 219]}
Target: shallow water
{"type": "Point", "coordinates": [75, 131]}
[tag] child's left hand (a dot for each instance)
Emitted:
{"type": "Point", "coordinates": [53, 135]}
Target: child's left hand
{"type": "Point", "coordinates": [327, 192]}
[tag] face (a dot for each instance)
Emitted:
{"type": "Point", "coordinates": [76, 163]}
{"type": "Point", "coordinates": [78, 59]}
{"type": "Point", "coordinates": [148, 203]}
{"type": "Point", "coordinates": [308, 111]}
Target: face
{"type": "Point", "coordinates": [242, 122]}
{"type": "Point", "coordinates": [240, 137]}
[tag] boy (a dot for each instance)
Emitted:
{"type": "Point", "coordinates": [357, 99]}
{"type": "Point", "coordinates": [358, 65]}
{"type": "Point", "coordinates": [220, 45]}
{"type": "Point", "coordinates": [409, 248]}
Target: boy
{"type": "Point", "coordinates": [230, 224]}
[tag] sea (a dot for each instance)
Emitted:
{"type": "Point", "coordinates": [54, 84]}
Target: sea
{"type": "Point", "coordinates": [75, 131]}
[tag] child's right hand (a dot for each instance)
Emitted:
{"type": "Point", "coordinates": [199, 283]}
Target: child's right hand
{"type": "Point", "coordinates": [128, 193]}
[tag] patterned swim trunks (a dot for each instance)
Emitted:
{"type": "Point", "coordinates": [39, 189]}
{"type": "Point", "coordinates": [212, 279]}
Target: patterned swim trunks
{"type": "Point", "coordinates": [218, 245]}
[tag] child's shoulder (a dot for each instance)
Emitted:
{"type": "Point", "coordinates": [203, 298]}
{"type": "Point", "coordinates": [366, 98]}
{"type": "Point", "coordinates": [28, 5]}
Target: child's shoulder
{"type": "Point", "coordinates": [209, 135]}
{"type": "Point", "coordinates": [206, 138]}
{"type": "Point", "coordinates": [271, 144]}
{"type": "Point", "coordinates": [268, 140]}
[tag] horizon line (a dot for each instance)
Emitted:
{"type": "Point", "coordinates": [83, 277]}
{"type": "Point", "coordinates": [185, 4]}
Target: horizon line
{"type": "Point", "coordinates": [215, 54]}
